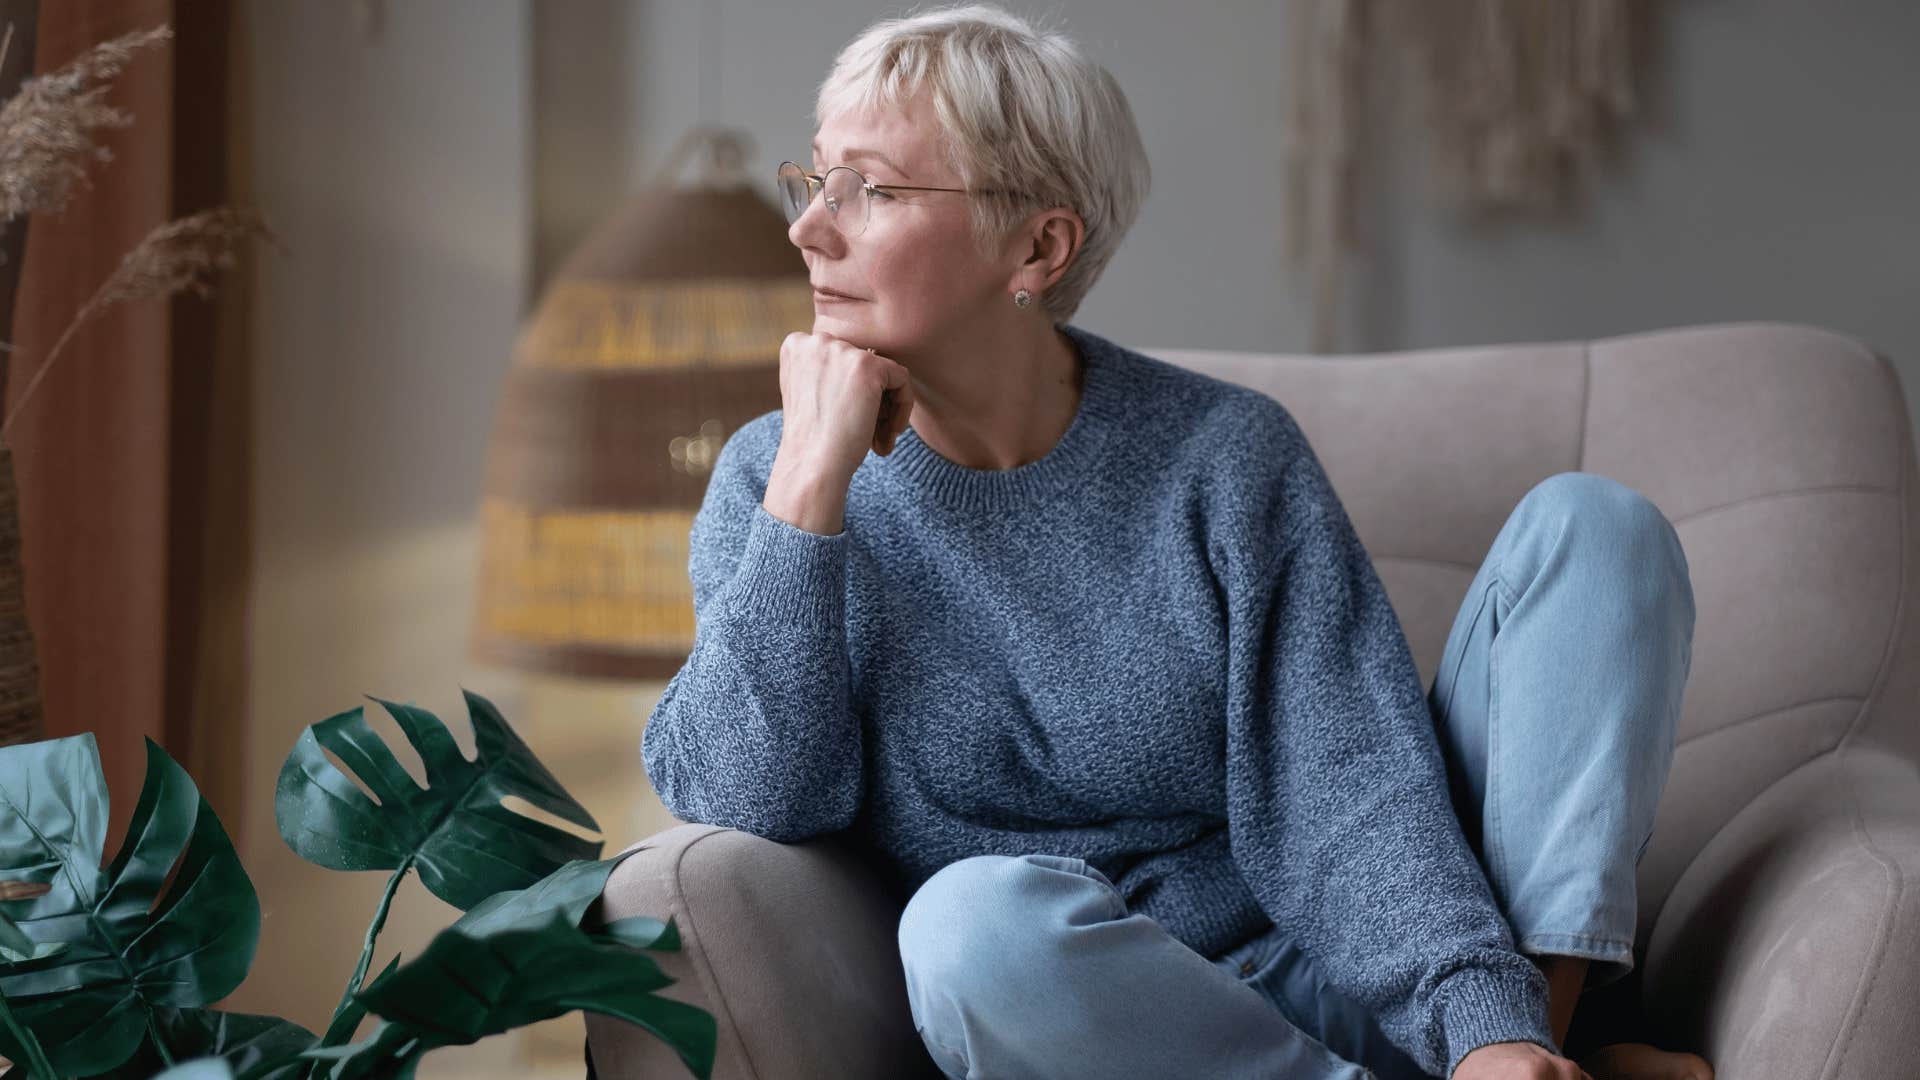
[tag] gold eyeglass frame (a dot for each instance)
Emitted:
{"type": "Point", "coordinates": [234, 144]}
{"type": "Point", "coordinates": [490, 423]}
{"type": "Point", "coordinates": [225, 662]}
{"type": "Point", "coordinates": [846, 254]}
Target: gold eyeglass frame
{"type": "Point", "coordinates": [817, 182]}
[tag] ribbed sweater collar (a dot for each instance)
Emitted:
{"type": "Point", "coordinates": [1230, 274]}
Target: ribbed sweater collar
{"type": "Point", "coordinates": [1073, 457]}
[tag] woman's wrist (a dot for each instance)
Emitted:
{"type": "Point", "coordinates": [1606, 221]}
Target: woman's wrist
{"type": "Point", "coordinates": [808, 498]}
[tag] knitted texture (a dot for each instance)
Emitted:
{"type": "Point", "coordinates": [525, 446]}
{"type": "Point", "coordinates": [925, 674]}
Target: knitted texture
{"type": "Point", "coordinates": [1160, 648]}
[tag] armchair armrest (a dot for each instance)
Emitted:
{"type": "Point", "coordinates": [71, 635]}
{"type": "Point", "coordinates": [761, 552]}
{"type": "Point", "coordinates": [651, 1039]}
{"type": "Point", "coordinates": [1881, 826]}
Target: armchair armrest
{"type": "Point", "coordinates": [793, 948]}
{"type": "Point", "coordinates": [1790, 947]}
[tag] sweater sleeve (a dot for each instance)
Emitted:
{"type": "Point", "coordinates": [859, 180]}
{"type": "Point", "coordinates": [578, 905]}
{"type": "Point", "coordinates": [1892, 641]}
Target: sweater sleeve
{"type": "Point", "coordinates": [755, 731]}
{"type": "Point", "coordinates": [1338, 809]}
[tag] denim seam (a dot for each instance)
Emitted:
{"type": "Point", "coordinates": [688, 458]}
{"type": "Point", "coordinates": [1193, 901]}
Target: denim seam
{"type": "Point", "coordinates": [1453, 684]}
{"type": "Point", "coordinates": [941, 1045]}
{"type": "Point", "coordinates": [1491, 841]}
{"type": "Point", "coordinates": [1598, 938]}
{"type": "Point", "coordinates": [1115, 902]}
{"type": "Point", "coordinates": [1500, 583]}
{"type": "Point", "coordinates": [1598, 950]}
{"type": "Point", "coordinates": [1487, 596]}
{"type": "Point", "coordinates": [1580, 939]}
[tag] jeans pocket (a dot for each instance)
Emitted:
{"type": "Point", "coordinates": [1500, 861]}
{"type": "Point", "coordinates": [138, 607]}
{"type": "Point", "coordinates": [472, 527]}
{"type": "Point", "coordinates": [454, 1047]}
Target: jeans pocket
{"type": "Point", "coordinates": [1274, 968]}
{"type": "Point", "coordinates": [1252, 963]}
{"type": "Point", "coordinates": [1266, 959]}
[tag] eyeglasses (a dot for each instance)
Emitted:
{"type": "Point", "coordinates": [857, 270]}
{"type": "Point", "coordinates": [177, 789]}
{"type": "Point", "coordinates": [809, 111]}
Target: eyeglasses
{"type": "Point", "coordinates": [849, 194]}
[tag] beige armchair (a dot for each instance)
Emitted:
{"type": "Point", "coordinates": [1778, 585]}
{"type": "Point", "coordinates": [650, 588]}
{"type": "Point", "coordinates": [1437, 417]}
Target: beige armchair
{"type": "Point", "coordinates": [1779, 902]}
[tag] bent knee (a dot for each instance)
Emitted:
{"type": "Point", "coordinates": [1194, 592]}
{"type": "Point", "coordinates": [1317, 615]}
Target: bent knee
{"type": "Point", "coordinates": [1615, 519]}
{"type": "Point", "coordinates": [1602, 500]}
{"type": "Point", "coordinates": [987, 910]}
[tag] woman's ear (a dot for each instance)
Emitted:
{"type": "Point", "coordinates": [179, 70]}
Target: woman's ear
{"type": "Point", "coordinates": [1054, 239]}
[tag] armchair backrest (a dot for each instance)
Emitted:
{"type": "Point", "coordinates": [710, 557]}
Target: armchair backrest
{"type": "Point", "coordinates": [1784, 456]}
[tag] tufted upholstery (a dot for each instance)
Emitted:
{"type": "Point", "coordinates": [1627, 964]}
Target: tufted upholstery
{"type": "Point", "coordinates": [1780, 899]}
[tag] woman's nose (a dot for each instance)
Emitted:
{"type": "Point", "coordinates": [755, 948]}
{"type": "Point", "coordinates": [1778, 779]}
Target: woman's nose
{"type": "Point", "coordinates": [814, 227]}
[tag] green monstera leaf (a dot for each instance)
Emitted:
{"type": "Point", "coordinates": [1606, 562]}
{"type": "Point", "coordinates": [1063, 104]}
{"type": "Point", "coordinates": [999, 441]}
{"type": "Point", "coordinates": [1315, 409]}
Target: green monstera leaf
{"type": "Point", "coordinates": [199, 1069]}
{"type": "Point", "coordinates": [465, 841]}
{"type": "Point", "coordinates": [17, 948]}
{"type": "Point", "coordinates": [224, 1044]}
{"type": "Point", "coordinates": [469, 984]}
{"type": "Point", "coordinates": [130, 944]}
{"type": "Point", "coordinates": [568, 892]}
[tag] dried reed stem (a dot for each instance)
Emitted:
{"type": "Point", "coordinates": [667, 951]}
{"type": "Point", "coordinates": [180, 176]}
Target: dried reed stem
{"type": "Point", "coordinates": [180, 255]}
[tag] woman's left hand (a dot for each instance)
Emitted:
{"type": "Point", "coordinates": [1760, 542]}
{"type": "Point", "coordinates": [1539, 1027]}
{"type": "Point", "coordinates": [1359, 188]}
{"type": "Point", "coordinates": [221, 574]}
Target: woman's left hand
{"type": "Point", "coordinates": [1517, 1061]}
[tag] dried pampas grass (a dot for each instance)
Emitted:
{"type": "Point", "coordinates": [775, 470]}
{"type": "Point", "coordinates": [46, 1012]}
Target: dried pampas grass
{"type": "Point", "coordinates": [182, 255]}
{"type": "Point", "coordinates": [47, 128]}
{"type": "Point", "coordinates": [179, 256]}
{"type": "Point", "coordinates": [46, 143]}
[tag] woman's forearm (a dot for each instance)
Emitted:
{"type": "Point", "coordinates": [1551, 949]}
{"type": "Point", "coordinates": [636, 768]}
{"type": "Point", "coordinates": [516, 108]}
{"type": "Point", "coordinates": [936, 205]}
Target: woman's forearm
{"type": "Point", "coordinates": [806, 498]}
{"type": "Point", "coordinates": [1566, 975]}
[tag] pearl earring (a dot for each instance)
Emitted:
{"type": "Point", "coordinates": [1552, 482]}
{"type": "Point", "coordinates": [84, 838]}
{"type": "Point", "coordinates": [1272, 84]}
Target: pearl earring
{"type": "Point", "coordinates": [1021, 298]}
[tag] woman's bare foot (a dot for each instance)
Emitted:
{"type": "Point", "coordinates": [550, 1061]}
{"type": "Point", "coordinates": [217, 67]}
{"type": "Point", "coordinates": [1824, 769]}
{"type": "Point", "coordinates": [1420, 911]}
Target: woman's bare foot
{"type": "Point", "coordinates": [1639, 1061]}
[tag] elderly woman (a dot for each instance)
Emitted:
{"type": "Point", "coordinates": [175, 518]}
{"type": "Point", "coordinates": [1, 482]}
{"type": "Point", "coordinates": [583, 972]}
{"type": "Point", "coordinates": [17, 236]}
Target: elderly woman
{"type": "Point", "coordinates": [1083, 645]}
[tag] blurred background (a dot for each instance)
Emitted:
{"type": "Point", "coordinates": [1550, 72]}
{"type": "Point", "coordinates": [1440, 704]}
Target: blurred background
{"type": "Point", "coordinates": [306, 522]}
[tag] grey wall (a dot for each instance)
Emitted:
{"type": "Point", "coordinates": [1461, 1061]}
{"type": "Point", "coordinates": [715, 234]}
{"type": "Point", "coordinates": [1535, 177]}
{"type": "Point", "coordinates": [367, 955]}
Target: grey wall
{"type": "Point", "coordinates": [1773, 176]}
{"type": "Point", "coordinates": [393, 168]}
{"type": "Point", "coordinates": [1778, 177]}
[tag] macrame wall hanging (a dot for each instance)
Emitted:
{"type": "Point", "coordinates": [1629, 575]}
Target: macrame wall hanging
{"type": "Point", "coordinates": [1519, 97]}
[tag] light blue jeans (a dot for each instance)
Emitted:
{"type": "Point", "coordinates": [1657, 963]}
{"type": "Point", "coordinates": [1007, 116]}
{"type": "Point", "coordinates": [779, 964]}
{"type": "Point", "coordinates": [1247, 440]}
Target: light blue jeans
{"type": "Point", "coordinates": [1556, 704]}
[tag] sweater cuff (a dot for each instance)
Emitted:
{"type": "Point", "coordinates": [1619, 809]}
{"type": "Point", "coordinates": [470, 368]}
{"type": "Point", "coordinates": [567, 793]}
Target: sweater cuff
{"type": "Point", "coordinates": [1481, 1006]}
{"type": "Point", "coordinates": [789, 573]}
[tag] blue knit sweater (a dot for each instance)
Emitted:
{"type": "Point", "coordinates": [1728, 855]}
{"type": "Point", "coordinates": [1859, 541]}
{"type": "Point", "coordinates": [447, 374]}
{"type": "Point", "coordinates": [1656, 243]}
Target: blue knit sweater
{"type": "Point", "coordinates": [1160, 648]}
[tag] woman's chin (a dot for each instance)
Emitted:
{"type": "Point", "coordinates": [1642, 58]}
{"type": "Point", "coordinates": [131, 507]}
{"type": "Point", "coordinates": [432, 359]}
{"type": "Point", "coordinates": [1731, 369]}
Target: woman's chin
{"type": "Point", "coordinates": [837, 319]}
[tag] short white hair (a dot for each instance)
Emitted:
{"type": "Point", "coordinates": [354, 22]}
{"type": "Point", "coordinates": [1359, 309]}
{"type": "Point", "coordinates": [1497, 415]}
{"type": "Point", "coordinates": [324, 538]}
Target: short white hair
{"type": "Point", "coordinates": [1024, 112]}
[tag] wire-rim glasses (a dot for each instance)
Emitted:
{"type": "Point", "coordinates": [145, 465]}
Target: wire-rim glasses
{"type": "Point", "coordinates": [849, 194]}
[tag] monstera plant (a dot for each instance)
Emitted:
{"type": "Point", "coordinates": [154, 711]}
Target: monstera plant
{"type": "Point", "coordinates": [111, 970]}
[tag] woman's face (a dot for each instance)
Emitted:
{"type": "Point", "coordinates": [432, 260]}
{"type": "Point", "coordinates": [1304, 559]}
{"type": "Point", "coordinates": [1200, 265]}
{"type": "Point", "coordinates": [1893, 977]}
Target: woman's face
{"type": "Point", "coordinates": [914, 274]}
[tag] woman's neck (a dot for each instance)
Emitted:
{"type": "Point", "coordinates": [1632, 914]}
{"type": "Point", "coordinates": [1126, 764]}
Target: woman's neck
{"type": "Point", "coordinates": [997, 402]}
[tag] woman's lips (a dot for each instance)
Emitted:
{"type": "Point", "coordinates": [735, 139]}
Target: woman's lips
{"type": "Point", "coordinates": [828, 296]}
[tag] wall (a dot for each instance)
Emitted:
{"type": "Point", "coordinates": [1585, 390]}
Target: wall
{"type": "Point", "coordinates": [1772, 178]}
{"type": "Point", "coordinates": [1776, 178]}
{"type": "Point", "coordinates": [394, 168]}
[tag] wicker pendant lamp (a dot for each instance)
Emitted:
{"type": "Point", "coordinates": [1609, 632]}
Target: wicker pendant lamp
{"type": "Point", "coordinates": [656, 340]}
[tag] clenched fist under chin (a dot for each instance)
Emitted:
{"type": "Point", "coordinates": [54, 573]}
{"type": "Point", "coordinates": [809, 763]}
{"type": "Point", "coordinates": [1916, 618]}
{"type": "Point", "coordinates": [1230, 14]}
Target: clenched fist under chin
{"type": "Point", "coordinates": [837, 402]}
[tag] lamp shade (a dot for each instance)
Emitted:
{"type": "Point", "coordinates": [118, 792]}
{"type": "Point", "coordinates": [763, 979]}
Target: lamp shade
{"type": "Point", "coordinates": [656, 339]}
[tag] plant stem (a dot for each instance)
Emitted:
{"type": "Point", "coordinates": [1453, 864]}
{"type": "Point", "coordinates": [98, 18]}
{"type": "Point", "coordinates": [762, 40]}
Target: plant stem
{"type": "Point", "coordinates": [37, 1064]}
{"type": "Point", "coordinates": [87, 311]}
{"type": "Point", "coordinates": [373, 931]}
{"type": "Point", "coordinates": [153, 1032]}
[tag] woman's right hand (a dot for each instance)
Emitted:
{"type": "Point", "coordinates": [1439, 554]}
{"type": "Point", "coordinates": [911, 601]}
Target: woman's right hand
{"type": "Point", "coordinates": [838, 401]}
